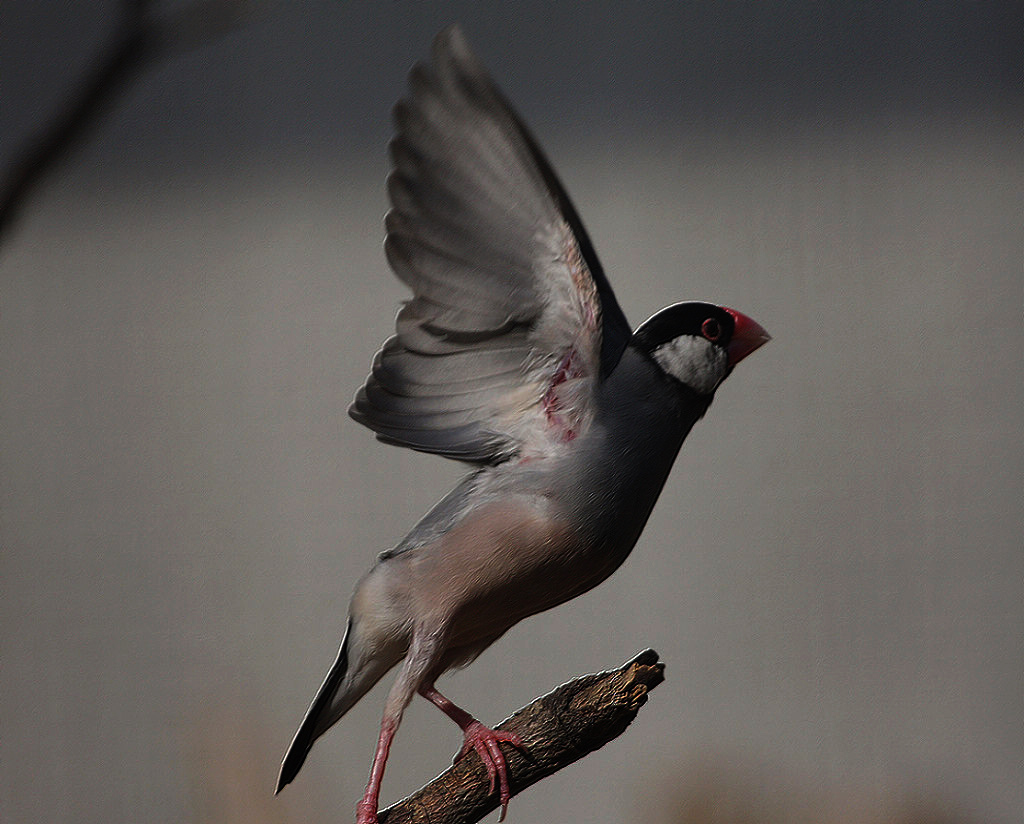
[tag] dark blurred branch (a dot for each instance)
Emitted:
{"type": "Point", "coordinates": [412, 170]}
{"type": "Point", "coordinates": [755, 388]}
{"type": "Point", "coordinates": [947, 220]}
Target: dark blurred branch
{"type": "Point", "coordinates": [558, 729]}
{"type": "Point", "coordinates": [140, 38]}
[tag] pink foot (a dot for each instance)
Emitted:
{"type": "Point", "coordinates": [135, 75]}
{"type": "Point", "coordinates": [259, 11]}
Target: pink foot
{"type": "Point", "coordinates": [486, 743]}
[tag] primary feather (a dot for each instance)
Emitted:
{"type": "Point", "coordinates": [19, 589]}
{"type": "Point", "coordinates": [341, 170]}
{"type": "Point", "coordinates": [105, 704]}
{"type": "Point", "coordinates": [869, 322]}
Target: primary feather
{"type": "Point", "coordinates": [511, 322]}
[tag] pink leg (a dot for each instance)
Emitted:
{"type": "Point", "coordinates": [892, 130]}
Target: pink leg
{"type": "Point", "coordinates": [366, 809]}
{"type": "Point", "coordinates": [482, 739]}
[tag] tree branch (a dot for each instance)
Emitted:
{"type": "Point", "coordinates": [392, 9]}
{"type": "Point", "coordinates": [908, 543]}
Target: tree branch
{"type": "Point", "coordinates": [558, 729]}
{"type": "Point", "coordinates": [140, 39]}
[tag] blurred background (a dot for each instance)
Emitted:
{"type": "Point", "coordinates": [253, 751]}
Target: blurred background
{"type": "Point", "coordinates": [190, 297]}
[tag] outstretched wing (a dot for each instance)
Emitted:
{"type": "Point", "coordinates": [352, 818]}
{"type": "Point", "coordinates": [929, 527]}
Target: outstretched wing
{"type": "Point", "coordinates": [512, 322]}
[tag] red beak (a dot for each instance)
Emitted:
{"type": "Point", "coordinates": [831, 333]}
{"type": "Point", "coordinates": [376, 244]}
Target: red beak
{"type": "Point", "coordinates": [747, 335]}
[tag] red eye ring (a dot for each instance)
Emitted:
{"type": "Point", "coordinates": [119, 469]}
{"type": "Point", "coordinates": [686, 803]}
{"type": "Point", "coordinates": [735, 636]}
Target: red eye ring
{"type": "Point", "coordinates": [711, 329]}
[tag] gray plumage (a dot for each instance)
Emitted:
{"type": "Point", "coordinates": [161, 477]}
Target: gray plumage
{"type": "Point", "coordinates": [504, 281]}
{"type": "Point", "coordinates": [513, 356]}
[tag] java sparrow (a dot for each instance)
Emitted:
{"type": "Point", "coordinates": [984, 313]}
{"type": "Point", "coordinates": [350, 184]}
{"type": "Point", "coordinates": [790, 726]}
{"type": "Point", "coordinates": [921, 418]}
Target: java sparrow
{"type": "Point", "coordinates": [512, 356]}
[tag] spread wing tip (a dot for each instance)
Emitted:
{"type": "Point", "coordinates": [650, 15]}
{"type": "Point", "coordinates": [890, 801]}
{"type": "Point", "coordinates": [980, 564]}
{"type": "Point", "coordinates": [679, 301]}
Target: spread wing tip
{"type": "Point", "coordinates": [451, 40]}
{"type": "Point", "coordinates": [469, 188]}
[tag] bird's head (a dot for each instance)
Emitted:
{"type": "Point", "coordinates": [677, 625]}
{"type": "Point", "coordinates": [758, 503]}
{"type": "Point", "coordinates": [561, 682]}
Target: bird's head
{"type": "Point", "coordinates": [698, 344]}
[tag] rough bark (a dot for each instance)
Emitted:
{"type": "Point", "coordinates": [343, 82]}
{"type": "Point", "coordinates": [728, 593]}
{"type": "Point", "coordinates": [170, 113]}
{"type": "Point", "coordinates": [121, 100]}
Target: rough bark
{"type": "Point", "coordinates": [558, 729]}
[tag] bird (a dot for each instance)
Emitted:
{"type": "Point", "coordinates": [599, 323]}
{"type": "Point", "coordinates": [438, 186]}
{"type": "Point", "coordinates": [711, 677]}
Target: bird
{"type": "Point", "coordinates": [512, 356]}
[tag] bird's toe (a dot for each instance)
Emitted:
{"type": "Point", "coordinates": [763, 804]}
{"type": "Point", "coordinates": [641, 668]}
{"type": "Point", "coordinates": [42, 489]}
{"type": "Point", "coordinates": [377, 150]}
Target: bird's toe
{"type": "Point", "coordinates": [487, 744]}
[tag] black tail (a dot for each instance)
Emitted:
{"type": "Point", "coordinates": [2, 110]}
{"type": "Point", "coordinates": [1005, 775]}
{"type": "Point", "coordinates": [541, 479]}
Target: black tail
{"type": "Point", "coordinates": [315, 721]}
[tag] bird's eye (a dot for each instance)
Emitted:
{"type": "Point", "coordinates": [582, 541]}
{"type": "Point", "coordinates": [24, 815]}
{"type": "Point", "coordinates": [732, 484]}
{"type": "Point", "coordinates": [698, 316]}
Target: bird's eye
{"type": "Point", "coordinates": [711, 329]}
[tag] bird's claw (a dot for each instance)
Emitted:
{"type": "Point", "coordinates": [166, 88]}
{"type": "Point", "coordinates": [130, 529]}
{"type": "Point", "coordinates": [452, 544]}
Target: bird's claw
{"type": "Point", "coordinates": [487, 743]}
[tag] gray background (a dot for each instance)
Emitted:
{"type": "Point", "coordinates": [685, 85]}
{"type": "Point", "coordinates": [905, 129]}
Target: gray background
{"type": "Point", "coordinates": [834, 573]}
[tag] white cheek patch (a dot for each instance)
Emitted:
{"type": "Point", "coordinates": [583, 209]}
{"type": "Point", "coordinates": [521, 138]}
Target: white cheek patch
{"type": "Point", "coordinates": [694, 361]}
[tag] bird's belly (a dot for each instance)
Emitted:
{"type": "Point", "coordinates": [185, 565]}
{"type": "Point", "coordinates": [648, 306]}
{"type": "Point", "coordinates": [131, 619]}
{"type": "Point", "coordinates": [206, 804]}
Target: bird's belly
{"type": "Point", "coordinates": [509, 560]}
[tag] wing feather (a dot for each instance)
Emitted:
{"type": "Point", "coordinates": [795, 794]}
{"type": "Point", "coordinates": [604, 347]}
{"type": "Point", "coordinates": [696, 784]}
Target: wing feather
{"type": "Point", "coordinates": [512, 322]}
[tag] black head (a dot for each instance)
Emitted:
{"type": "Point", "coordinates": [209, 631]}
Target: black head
{"type": "Point", "coordinates": [698, 344]}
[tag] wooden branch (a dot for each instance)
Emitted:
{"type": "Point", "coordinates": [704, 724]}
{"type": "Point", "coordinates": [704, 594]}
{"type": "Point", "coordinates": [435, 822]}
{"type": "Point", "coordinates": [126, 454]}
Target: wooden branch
{"type": "Point", "coordinates": [140, 40]}
{"type": "Point", "coordinates": [45, 148]}
{"type": "Point", "coordinates": [558, 729]}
